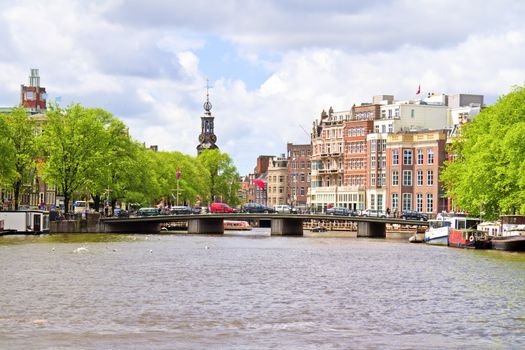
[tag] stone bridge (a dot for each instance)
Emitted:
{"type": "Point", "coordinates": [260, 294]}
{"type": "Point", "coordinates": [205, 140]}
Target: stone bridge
{"type": "Point", "coordinates": [281, 224]}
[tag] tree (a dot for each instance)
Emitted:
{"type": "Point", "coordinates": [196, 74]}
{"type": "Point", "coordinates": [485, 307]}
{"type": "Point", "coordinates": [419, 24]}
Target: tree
{"type": "Point", "coordinates": [224, 178]}
{"type": "Point", "coordinates": [73, 138]}
{"type": "Point", "coordinates": [7, 152]}
{"type": "Point", "coordinates": [488, 172]}
{"type": "Point", "coordinates": [21, 131]}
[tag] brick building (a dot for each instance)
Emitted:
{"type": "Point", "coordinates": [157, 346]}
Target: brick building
{"type": "Point", "coordinates": [298, 173]}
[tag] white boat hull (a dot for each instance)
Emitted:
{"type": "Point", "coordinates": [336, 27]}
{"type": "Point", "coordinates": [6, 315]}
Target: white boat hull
{"type": "Point", "coordinates": [437, 236]}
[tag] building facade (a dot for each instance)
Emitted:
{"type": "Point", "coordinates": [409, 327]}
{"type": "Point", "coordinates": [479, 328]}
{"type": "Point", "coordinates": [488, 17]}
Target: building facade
{"type": "Point", "coordinates": [277, 181]}
{"type": "Point", "coordinates": [34, 96]}
{"type": "Point", "coordinates": [299, 172]}
{"type": "Point", "coordinates": [413, 163]}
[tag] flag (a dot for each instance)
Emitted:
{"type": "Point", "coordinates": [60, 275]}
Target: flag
{"type": "Point", "coordinates": [418, 89]}
{"type": "Point", "coordinates": [178, 173]}
{"type": "Point", "coordinates": [259, 183]}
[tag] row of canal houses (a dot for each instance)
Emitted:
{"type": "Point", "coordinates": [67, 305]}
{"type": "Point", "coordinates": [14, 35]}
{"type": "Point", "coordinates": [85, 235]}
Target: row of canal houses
{"type": "Point", "coordinates": [386, 154]}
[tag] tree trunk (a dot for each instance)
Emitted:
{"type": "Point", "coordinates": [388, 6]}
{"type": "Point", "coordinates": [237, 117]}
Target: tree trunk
{"type": "Point", "coordinates": [96, 202]}
{"type": "Point", "coordinates": [16, 193]}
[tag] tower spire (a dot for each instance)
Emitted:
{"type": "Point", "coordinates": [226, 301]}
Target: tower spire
{"type": "Point", "coordinates": [207, 137]}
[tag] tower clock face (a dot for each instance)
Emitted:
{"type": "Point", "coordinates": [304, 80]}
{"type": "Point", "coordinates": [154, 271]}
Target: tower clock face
{"type": "Point", "coordinates": [201, 138]}
{"type": "Point", "coordinates": [213, 138]}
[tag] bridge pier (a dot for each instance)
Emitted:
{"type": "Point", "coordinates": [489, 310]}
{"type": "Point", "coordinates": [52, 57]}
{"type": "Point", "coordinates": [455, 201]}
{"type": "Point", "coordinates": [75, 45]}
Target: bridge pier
{"type": "Point", "coordinates": [206, 226]}
{"type": "Point", "coordinates": [371, 229]}
{"type": "Point", "coordinates": [287, 227]}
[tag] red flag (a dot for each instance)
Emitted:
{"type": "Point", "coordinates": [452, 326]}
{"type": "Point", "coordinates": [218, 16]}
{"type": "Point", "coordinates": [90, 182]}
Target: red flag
{"type": "Point", "coordinates": [418, 89]}
{"type": "Point", "coordinates": [259, 183]}
{"type": "Point", "coordinates": [178, 173]}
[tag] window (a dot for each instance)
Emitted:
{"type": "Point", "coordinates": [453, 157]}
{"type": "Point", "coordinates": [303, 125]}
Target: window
{"type": "Point", "coordinates": [420, 177]}
{"type": "Point", "coordinates": [383, 128]}
{"type": "Point", "coordinates": [373, 179]}
{"type": "Point", "coordinates": [419, 202]}
{"type": "Point", "coordinates": [419, 157]}
{"type": "Point", "coordinates": [430, 156]}
{"type": "Point", "coordinates": [376, 128]}
{"type": "Point", "coordinates": [373, 146]}
{"type": "Point", "coordinates": [412, 113]}
{"type": "Point", "coordinates": [395, 201]}
{"type": "Point", "coordinates": [430, 177]}
{"type": "Point", "coordinates": [390, 128]}
{"type": "Point", "coordinates": [407, 157]}
{"type": "Point", "coordinates": [395, 157]}
{"type": "Point", "coordinates": [372, 201]}
{"type": "Point", "coordinates": [407, 201]}
{"type": "Point", "coordinates": [430, 203]}
{"type": "Point", "coordinates": [302, 191]}
{"type": "Point", "coordinates": [395, 178]}
{"type": "Point", "coordinates": [373, 162]}
{"type": "Point", "coordinates": [407, 177]}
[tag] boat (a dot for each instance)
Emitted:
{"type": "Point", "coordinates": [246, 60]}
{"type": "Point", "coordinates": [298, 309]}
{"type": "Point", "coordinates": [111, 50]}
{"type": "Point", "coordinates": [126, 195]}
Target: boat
{"type": "Point", "coordinates": [469, 238]}
{"type": "Point", "coordinates": [511, 234]}
{"type": "Point", "coordinates": [439, 228]}
{"type": "Point", "coordinates": [319, 229]}
{"type": "Point", "coordinates": [236, 225]}
{"type": "Point", "coordinates": [25, 221]}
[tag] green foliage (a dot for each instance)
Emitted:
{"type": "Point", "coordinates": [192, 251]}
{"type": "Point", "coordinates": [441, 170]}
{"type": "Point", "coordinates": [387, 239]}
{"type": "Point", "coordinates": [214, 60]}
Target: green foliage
{"type": "Point", "coordinates": [20, 138]}
{"type": "Point", "coordinates": [489, 174]}
{"type": "Point", "coordinates": [7, 152]}
{"type": "Point", "coordinates": [87, 152]}
{"type": "Point", "coordinates": [75, 143]}
{"type": "Point", "coordinates": [224, 179]}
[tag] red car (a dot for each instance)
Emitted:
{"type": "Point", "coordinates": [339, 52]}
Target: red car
{"type": "Point", "coordinates": [221, 208]}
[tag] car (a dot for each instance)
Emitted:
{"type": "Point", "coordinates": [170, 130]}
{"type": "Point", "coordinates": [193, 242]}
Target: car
{"type": "Point", "coordinates": [148, 212]}
{"type": "Point", "coordinates": [413, 215]}
{"type": "Point", "coordinates": [373, 213]}
{"type": "Point", "coordinates": [121, 213]}
{"type": "Point", "coordinates": [285, 208]}
{"type": "Point", "coordinates": [221, 208]}
{"type": "Point", "coordinates": [180, 209]}
{"type": "Point", "coordinates": [256, 208]}
{"type": "Point", "coordinates": [340, 211]}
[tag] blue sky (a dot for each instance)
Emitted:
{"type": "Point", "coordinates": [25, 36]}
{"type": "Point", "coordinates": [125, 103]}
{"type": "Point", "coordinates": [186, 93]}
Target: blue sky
{"type": "Point", "coordinates": [273, 65]}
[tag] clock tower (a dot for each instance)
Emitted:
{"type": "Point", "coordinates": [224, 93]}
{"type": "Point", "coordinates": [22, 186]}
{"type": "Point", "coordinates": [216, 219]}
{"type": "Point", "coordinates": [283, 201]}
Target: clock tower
{"type": "Point", "coordinates": [207, 136]}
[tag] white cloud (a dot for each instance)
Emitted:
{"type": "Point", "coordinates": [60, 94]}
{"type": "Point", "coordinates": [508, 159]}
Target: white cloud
{"type": "Point", "coordinates": [142, 61]}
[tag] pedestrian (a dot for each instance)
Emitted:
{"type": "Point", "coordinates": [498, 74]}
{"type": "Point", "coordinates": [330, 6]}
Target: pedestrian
{"type": "Point", "coordinates": [387, 211]}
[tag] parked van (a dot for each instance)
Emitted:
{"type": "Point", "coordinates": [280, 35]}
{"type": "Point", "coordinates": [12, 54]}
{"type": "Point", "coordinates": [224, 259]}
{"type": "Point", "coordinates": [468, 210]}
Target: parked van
{"type": "Point", "coordinates": [221, 208]}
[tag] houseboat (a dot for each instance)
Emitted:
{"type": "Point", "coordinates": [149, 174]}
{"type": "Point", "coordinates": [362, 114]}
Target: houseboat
{"type": "Point", "coordinates": [236, 225]}
{"type": "Point", "coordinates": [25, 222]}
{"type": "Point", "coordinates": [439, 229]}
{"type": "Point", "coordinates": [469, 238]}
{"type": "Point", "coordinates": [510, 235]}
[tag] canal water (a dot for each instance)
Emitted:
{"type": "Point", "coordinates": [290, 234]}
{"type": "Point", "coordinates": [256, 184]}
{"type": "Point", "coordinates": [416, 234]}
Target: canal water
{"type": "Point", "coordinates": [253, 291]}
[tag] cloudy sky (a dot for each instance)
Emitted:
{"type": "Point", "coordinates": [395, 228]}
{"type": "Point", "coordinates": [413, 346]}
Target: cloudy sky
{"type": "Point", "coordinates": [273, 65]}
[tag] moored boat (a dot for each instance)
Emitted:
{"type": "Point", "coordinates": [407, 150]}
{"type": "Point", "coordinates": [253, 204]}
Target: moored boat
{"type": "Point", "coordinates": [509, 235]}
{"type": "Point", "coordinates": [236, 225]}
{"type": "Point", "coordinates": [469, 238]}
{"type": "Point", "coordinates": [439, 229]}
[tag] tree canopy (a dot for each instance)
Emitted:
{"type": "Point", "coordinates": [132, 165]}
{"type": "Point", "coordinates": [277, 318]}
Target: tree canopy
{"type": "Point", "coordinates": [87, 154]}
{"type": "Point", "coordinates": [487, 173]}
